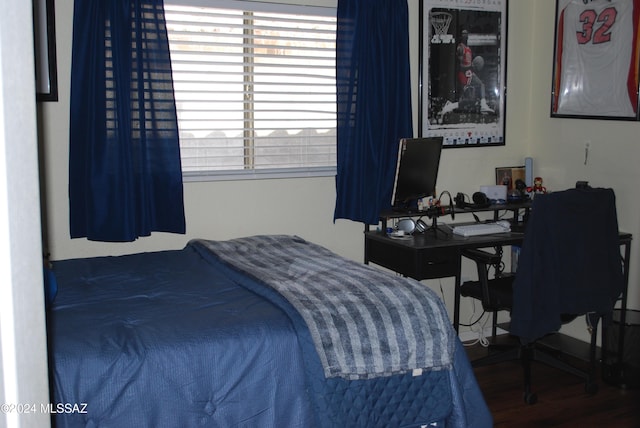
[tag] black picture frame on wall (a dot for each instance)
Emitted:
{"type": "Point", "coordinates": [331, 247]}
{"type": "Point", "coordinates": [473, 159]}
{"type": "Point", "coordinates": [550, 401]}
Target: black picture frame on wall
{"type": "Point", "coordinates": [595, 60]}
{"type": "Point", "coordinates": [44, 33]}
{"type": "Point", "coordinates": [463, 71]}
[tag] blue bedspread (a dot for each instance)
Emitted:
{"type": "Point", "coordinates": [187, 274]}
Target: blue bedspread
{"type": "Point", "coordinates": [364, 323]}
{"type": "Point", "coordinates": [170, 339]}
{"type": "Point", "coordinates": [166, 340]}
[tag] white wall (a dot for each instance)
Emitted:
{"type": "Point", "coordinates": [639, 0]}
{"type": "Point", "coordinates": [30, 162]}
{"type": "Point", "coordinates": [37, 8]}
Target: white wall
{"type": "Point", "coordinates": [305, 206]}
{"type": "Point", "coordinates": [23, 353]}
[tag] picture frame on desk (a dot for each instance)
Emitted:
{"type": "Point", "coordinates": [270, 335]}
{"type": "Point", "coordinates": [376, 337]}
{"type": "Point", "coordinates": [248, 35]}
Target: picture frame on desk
{"type": "Point", "coordinates": [462, 71]}
{"type": "Point", "coordinates": [507, 175]}
{"type": "Point", "coordinates": [596, 61]}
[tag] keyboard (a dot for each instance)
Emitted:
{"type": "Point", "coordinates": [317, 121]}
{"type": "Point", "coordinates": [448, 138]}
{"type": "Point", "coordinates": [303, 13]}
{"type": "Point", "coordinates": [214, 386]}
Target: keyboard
{"type": "Point", "coordinates": [480, 229]}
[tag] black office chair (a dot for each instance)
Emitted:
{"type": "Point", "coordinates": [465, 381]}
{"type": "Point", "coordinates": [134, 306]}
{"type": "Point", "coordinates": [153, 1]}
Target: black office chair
{"type": "Point", "coordinates": [569, 265]}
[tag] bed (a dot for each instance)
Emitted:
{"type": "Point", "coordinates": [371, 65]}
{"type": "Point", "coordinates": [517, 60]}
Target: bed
{"type": "Point", "coordinates": [262, 331]}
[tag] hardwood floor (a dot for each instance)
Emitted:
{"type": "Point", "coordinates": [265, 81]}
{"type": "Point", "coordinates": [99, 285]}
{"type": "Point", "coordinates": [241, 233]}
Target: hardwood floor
{"type": "Point", "coordinates": [562, 400]}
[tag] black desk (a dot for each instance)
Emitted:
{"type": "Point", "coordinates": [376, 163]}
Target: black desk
{"type": "Point", "coordinates": [431, 255]}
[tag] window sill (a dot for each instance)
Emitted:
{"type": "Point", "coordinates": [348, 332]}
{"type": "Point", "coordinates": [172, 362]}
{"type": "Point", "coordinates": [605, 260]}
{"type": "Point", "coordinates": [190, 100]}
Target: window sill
{"type": "Point", "coordinates": [260, 174]}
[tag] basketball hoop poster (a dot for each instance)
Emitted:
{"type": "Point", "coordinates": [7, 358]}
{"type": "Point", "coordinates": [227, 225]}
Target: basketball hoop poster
{"type": "Point", "coordinates": [463, 46]}
{"type": "Point", "coordinates": [596, 53]}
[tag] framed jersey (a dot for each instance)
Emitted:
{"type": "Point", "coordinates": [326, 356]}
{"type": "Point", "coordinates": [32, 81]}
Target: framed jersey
{"type": "Point", "coordinates": [462, 80]}
{"type": "Point", "coordinates": [595, 67]}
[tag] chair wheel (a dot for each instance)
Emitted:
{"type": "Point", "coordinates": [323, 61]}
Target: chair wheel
{"type": "Point", "coordinates": [530, 397]}
{"type": "Point", "coordinates": [591, 388]}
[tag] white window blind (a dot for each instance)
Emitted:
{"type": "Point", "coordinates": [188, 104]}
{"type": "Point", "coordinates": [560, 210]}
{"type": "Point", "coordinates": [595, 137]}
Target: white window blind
{"type": "Point", "coordinates": [254, 88]}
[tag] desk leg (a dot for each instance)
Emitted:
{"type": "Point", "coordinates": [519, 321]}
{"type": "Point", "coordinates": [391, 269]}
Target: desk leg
{"type": "Point", "coordinates": [617, 363]}
{"type": "Point", "coordinates": [456, 302]}
{"type": "Point", "coordinates": [623, 303]}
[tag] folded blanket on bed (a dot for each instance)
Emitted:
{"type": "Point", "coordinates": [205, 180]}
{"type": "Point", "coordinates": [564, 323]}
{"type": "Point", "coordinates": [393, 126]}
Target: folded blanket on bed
{"type": "Point", "coordinates": [364, 322]}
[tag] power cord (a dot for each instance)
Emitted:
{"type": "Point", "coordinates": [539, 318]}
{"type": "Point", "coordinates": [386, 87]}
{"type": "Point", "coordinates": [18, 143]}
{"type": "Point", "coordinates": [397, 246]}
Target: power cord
{"type": "Point", "coordinates": [442, 292]}
{"type": "Point", "coordinates": [480, 322]}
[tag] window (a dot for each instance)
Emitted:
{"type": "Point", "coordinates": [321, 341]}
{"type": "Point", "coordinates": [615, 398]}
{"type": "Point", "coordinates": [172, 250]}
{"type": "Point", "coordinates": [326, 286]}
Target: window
{"type": "Point", "coordinates": [254, 87]}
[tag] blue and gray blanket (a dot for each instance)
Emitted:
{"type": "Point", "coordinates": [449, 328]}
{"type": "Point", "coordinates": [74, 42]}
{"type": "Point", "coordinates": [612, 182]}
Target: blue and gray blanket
{"type": "Point", "coordinates": [364, 322]}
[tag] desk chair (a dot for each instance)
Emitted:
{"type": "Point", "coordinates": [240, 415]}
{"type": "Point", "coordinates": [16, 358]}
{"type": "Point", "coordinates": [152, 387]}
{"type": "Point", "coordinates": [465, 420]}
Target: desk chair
{"type": "Point", "coordinates": [569, 265]}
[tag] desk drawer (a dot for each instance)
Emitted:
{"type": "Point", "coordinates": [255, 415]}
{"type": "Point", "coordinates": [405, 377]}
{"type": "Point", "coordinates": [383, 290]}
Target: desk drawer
{"type": "Point", "coordinates": [439, 263]}
{"type": "Point", "coordinates": [418, 263]}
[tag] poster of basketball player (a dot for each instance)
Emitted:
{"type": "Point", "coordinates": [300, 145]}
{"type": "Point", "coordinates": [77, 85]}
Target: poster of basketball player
{"type": "Point", "coordinates": [463, 71]}
{"type": "Point", "coordinates": [595, 70]}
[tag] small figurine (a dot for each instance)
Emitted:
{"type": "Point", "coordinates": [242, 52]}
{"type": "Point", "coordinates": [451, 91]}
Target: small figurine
{"type": "Point", "coordinates": [537, 188]}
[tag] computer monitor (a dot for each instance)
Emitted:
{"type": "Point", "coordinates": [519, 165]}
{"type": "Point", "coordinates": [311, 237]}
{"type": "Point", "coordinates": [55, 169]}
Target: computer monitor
{"type": "Point", "coordinates": [416, 170]}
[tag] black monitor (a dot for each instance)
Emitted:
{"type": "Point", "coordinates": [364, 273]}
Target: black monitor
{"type": "Point", "coordinates": [416, 171]}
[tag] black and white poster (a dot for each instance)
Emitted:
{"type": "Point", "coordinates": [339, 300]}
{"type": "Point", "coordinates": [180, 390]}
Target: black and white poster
{"type": "Point", "coordinates": [463, 71]}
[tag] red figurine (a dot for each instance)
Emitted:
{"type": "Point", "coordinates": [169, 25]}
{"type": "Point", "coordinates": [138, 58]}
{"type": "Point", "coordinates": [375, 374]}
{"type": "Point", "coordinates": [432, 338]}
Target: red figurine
{"type": "Point", "coordinates": [537, 186]}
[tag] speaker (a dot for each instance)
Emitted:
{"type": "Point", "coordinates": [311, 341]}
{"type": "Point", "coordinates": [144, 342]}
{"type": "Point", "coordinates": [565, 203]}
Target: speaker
{"type": "Point", "coordinates": [407, 225]}
{"type": "Point", "coordinates": [528, 171]}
